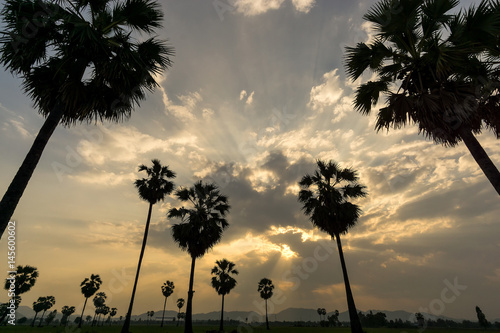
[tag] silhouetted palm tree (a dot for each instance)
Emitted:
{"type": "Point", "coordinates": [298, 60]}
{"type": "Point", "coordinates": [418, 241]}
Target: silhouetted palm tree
{"type": "Point", "coordinates": [46, 303]}
{"type": "Point", "coordinates": [81, 64]}
{"type": "Point", "coordinates": [152, 189]}
{"type": "Point", "coordinates": [223, 282]}
{"type": "Point", "coordinates": [66, 312]}
{"type": "Point", "coordinates": [99, 300]}
{"type": "Point", "coordinates": [437, 68]}
{"type": "Point", "coordinates": [89, 287]}
{"type": "Point", "coordinates": [24, 279]}
{"type": "Point", "coordinates": [265, 289]}
{"type": "Point", "coordinates": [321, 312]}
{"type": "Point", "coordinates": [38, 306]}
{"type": "Point", "coordinates": [180, 304]}
{"type": "Point", "coordinates": [201, 228]}
{"type": "Point", "coordinates": [112, 313]}
{"type": "Point", "coordinates": [167, 289]}
{"type": "Point", "coordinates": [325, 197]}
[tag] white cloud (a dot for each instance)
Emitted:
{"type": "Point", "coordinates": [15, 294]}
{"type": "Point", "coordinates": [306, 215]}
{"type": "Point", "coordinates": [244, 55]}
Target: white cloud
{"type": "Point", "coordinates": [256, 7]}
{"type": "Point", "coordinates": [327, 93]}
{"type": "Point", "coordinates": [250, 98]}
{"type": "Point", "coordinates": [243, 94]}
{"type": "Point", "coordinates": [103, 178]}
{"type": "Point", "coordinates": [303, 5]}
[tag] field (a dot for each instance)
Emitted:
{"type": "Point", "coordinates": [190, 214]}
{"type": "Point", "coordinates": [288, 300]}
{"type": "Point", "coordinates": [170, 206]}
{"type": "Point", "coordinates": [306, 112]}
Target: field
{"type": "Point", "coordinates": [203, 329]}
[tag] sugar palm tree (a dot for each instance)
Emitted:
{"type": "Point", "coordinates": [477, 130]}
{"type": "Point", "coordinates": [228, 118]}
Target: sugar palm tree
{"type": "Point", "coordinates": [437, 68]}
{"type": "Point", "coordinates": [223, 282]}
{"type": "Point", "coordinates": [38, 306]}
{"type": "Point", "coordinates": [325, 197]}
{"type": "Point", "coordinates": [89, 287]}
{"type": "Point", "coordinates": [112, 313]}
{"type": "Point", "coordinates": [46, 303]}
{"type": "Point", "coordinates": [99, 300]}
{"type": "Point", "coordinates": [200, 229]}
{"type": "Point", "coordinates": [81, 64]}
{"type": "Point", "coordinates": [180, 304]}
{"type": "Point", "coordinates": [24, 280]}
{"type": "Point", "coordinates": [152, 189]}
{"type": "Point", "coordinates": [167, 289]}
{"type": "Point", "coordinates": [265, 288]}
{"type": "Point", "coordinates": [66, 312]}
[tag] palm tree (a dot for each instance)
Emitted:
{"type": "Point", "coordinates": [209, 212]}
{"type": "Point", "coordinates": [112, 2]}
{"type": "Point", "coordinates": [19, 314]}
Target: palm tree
{"type": "Point", "coordinates": [89, 287]}
{"type": "Point", "coordinates": [180, 304]}
{"type": "Point", "coordinates": [201, 228]}
{"type": "Point", "coordinates": [82, 64]}
{"type": "Point", "coordinates": [437, 69]}
{"type": "Point", "coordinates": [325, 196]}
{"type": "Point", "coordinates": [112, 313]}
{"type": "Point", "coordinates": [223, 282]}
{"type": "Point", "coordinates": [321, 312]}
{"type": "Point", "coordinates": [38, 306]}
{"type": "Point", "coordinates": [152, 189]}
{"type": "Point", "coordinates": [167, 289]}
{"type": "Point", "coordinates": [265, 289]}
{"type": "Point", "coordinates": [23, 280]}
{"type": "Point", "coordinates": [47, 303]}
{"type": "Point", "coordinates": [99, 300]}
{"type": "Point", "coordinates": [66, 312]}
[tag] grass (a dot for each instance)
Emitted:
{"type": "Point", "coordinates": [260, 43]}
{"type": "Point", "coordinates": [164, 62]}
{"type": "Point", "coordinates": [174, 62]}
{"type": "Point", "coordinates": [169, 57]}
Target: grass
{"type": "Point", "coordinates": [203, 329]}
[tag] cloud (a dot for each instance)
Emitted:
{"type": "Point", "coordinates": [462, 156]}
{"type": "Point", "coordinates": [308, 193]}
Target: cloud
{"type": "Point", "coordinates": [327, 93]}
{"type": "Point", "coordinates": [303, 5]}
{"type": "Point", "coordinates": [257, 7]}
{"type": "Point", "coordinates": [103, 178]}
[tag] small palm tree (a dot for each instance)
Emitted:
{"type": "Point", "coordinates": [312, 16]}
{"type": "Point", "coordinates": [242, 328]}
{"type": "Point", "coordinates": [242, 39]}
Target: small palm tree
{"type": "Point", "coordinates": [223, 282]}
{"type": "Point", "coordinates": [167, 289]}
{"type": "Point", "coordinates": [112, 313]}
{"type": "Point", "coordinates": [180, 304]}
{"type": "Point", "coordinates": [24, 280]}
{"type": "Point", "coordinates": [201, 228]}
{"type": "Point", "coordinates": [152, 189]}
{"type": "Point", "coordinates": [265, 289]}
{"type": "Point", "coordinates": [83, 64]}
{"type": "Point", "coordinates": [437, 68]}
{"type": "Point", "coordinates": [325, 197]}
{"type": "Point", "coordinates": [66, 312]}
{"type": "Point", "coordinates": [38, 306]}
{"type": "Point", "coordinates": [89, 286]}
{"type": "Point", "coordinates": [47, 303]}
{"type": "Point", "coordinates": [99, 300]}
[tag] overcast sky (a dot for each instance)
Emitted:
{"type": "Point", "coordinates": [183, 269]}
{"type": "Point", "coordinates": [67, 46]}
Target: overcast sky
{"type": "Point", "coordinates": [256, 94]}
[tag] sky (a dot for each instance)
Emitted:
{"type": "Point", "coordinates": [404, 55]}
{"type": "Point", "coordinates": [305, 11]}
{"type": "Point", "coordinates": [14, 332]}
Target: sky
{"type": "Point", "coordinates": [256, 94]}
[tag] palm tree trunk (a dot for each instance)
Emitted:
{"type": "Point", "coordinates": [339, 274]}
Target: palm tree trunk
{"type": "Point", "coordinates": [81, 317]}
{"type": "Point", "coordinates": [40, 323]}
{"type": "Point", "coordinates": [178, 317]}
{"type": "Point", "coordinates": [126, 325]}
{"type": "Point", "coordinates": [164, 305]}
{"type": "Point", "coordinates": [481, 157]}
{"type": "Point", "coordinates": [267, 320]}
{"type": "Point", "coordinates": [188, 322]}
{"type": "Point", "coordinates": [221, 326]}
{"type": "Point", "coordinates": [20, 182]}
{"type": "Point", "coordinates": [353, 314]}
{"type": "Point", "coordinates": [33, 323]}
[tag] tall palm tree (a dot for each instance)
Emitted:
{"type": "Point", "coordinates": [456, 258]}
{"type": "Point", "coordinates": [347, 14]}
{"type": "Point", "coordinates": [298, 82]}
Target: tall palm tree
{"type": "Point", "coordinates": [180, 304]}
{"type": "Point", "coordinates": [167, 289]}
{"type": "Point", "coordinates": [38, 306]}
{"type": "Point", "coordinates": [223, 282]}
{"type": "Point", "coordinates": [200, 229]}
{"type": "Point", "coordinates": [24, 279]}
{"type": "Point", "coordinates": [437, 68]}
{"type": "Point", "coordinates": [325, 197]}
{"type": "Point", "coordinates": [265, 289]}
{"type": "Point", "coordinates": [81, 64]}
{"type": "Point", "coordinates": [152, 189]}
{"type": "Point", "coordinates": [66, 312]}
{"type": "Point", "coordinates": [46, 303]}
{"type": "Point", "coordinates": [89, 286]}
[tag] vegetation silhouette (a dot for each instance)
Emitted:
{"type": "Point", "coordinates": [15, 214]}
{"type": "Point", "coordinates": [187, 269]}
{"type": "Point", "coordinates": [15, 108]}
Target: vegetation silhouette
{"type": "Point", "coordinates": [89, 286]}
{"type": "Point", "coordinates": [167, 289]}
{"type": "Point", "coordinates": [443, 67]}
{"type": "Point", "coordinates": [37, 307]}
{"type": "Point", "coordinates": [265, 288]}
{"type": "Point", "coordinates": [180, 304]}
{"type": "Point", "coordinates": [325, 197]}
{"type": "Point", "coordinates": [223, 282]}
{"type": "Point", "coordinates": [82, 64]}
{"type": "Point", "coordinates": [112, 313]}
{"type": "Point", "coordinates": [25, 278]}
{"type": "Point", "coordinates": [66, 312]}
{"type": "Point", "coordinates": [152, 189]}
{"type": "Point", "coordinates": [45, 303]}
{"type": "Point", "coordinates": [481, 318]}
{"type": "Point", "coordinates": [50, 317]}
{"type": "Point", "coordinates": [200, 229]}
{"type": "Point", "coordinates": [321, 312]}
{"type": "Point", "coordinates": [99, 300]}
